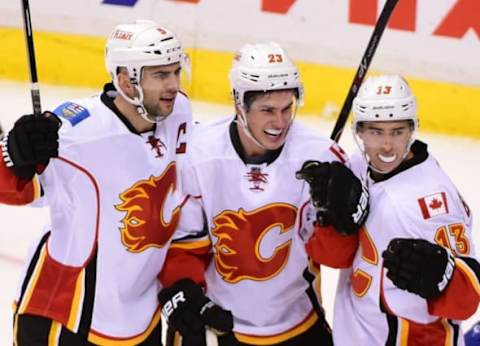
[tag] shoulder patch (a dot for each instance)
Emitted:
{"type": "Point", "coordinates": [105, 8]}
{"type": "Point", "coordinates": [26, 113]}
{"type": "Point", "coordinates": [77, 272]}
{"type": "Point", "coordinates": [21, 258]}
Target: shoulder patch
{"type": "Point", "coordinates": [433, 205]}
{"type": "Point", "coordinates": [72, 112]}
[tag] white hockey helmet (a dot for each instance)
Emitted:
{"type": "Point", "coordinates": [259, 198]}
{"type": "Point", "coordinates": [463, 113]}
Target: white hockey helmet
{"type": "Point", "coordinates": [263, 67]}
{"type": "Point", "coordinates": [140, 44]}
{"type": "Point", "coordinates": [385, 98]}
{"type": "Point", "coordinates": [136, 45]}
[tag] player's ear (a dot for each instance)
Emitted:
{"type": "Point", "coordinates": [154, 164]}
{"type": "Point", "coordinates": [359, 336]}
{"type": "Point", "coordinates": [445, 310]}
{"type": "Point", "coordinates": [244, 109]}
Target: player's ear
{"type": "Point", "coordinates": [124, 82]}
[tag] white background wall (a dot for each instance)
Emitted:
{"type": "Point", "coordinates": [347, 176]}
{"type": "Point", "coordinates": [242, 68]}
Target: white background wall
{"type": "Point", "coordinates": [311, 30]}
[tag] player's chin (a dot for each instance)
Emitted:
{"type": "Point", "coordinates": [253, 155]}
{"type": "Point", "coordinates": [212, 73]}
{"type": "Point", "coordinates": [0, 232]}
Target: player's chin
{"type": "Point", "coordinates": [165, 110]}
{"type": "Point", "coordinates": [386, 167]}
{"type": "Point", "coordinates": [273, 143]}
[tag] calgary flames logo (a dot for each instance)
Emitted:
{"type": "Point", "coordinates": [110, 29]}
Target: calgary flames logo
{"type": "Point", "coordinates": [240, 234]}
{"type": "Point", "coordinates": [144, 225]}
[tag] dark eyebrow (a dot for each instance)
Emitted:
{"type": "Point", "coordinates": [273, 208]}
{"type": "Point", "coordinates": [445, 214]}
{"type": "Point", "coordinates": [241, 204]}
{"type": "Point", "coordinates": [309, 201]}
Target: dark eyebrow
{"type": "Point", "coordinates": [163, 72]}
{"type": "Point", "coordinates": [288, 106]}
{"type": "Point", "coordinates": [372, 127]}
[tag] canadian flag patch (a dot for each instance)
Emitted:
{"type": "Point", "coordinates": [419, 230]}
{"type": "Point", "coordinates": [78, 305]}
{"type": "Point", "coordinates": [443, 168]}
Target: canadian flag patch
{"type": "Point", "coordinates": [433, 205]}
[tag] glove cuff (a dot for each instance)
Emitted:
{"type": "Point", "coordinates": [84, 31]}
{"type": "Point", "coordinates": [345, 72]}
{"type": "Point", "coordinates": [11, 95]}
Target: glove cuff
{"type": "Point", "coordinates": [449, 269]}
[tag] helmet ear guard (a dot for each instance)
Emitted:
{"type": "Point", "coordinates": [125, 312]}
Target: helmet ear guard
{"type": "Point", "coordinates": [137, 45]}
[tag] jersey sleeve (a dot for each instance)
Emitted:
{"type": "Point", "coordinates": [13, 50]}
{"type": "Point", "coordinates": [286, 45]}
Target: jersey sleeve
{"type": "Point", "coordinates": [443, 219]}
{"type": "Point", "coordinates": [461, 298]}
{"type": "Point", "coordinates": [190, 251]}
{"type": "Point", "coordinates": [14, 191]}
{"type": "Point", "coordinates": [328, 247]}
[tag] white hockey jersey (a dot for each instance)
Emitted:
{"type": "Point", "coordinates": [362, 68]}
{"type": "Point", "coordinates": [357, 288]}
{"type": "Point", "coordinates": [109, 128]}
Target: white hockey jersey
{"type": "Point", "coordinates": [251, 213]}
{"type": "Point", "coordinates": [114, 206]}
{"type": "Point", "coordinates": [417, 202]}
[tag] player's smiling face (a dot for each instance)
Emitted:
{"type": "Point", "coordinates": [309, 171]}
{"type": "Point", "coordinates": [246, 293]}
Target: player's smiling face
{"type": "Point", "coordinates": [160, 87]}
{"type": "Point", "coordinates": [385, 143]}
{"type": "Point", "coordinates": [269, 118]}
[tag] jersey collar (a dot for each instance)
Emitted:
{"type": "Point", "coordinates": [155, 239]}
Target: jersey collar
{"type": "Point", "coordinates": [267, 158]}
{"type": "Point", "coordinates": [420, 154]}
{"type": "Point", "coordinates": [107, 97]}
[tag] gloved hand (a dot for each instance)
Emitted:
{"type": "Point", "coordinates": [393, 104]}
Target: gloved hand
{"type": "Point", "coordinates": [189, 311]}
{"type": "Point", "coordinates": [31, 143]}
{"type": "Point", "coordinates": [418, 266]}
{"type": "Point", "coordinates": [339, 197]}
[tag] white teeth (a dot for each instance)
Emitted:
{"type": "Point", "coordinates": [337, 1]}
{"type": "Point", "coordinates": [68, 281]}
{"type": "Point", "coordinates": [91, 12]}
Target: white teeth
{"type": "Point", "coordinates": [273, 132]}
{"type": "Point", "coordinates": [387, 159]}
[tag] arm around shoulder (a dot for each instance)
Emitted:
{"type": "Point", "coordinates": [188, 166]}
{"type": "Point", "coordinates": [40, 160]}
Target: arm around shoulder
{"type": "Point", "coordinates": [186, 260]}
{"type": "Point", "coordinates": [330, 248]}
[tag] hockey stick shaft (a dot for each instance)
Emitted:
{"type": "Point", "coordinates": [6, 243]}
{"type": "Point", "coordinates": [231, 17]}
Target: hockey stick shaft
{"type": "Point", "coordinates": [34, 89]}
{"type": "Point", "coordinates": [363, 68]}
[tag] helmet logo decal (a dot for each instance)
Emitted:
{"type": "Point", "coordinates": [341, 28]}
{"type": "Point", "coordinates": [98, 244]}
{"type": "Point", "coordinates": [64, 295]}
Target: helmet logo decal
{"type": "Point", "coordinates": [241, 253]}
{"type": "Point", "coordinates": [122, 35]}
{"type": "Point", "coordinates": [151, 217]}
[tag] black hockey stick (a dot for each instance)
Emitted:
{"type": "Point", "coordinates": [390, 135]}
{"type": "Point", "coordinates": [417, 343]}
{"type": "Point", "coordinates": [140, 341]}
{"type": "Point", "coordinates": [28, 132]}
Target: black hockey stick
{"type": "Point", "coordinates": [34, 89]}
{"type": "Point", "coordinates": [363, 68]}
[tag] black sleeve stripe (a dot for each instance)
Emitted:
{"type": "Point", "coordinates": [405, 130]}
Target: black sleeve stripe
{"type": "Point", "coordinates": [473, 264]}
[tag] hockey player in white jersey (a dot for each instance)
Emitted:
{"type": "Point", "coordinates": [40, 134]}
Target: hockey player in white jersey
{"type": "Point", "coordinates": [239, 232]}
{"type": "Point", "coordinates": [107, 168]}
{"type": "Point", "coordinates": [413, 274]}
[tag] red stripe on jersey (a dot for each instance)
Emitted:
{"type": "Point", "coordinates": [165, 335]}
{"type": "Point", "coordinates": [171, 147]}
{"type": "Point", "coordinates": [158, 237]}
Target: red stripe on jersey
{"type": "Point", "coordinates": [97, 204]}
{"type": "Point", "coordinates": [339, 153]}
{"type": "Point", "coordinates": [444, 197]}
{"type": "Point", "coordinates": [436, 333]}
{"type": "Point", "coordinates": [300, 224]}
{"type": "Point", "coordinates": [424, 208]}
{"type": "Point", "coordinates": [54, 291]}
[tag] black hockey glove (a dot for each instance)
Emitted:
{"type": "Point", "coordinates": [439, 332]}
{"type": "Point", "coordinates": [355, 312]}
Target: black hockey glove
{"type": "Point", "coordinates": [31, 143]}
{"type": "Point", "coordinates": [418, 266]}
{"type": "Point", "coordinates": [189, 311]}
{"type": "Point", "coordinates": [339, 197]}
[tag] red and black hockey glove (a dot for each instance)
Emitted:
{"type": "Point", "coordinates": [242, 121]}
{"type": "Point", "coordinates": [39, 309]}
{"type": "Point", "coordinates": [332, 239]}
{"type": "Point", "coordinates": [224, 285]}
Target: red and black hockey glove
{"type": "Point", "coordinates": [339, 197]}
{"type": "Point", "coordinates": [189, 311]}
{"type": "Point", "coordinates": [31, 143]}
{"type": "Point", "coordinates": [418, 266]}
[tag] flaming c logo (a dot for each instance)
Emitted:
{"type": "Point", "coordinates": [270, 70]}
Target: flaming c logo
{"type": "Point", "coordinates": [144, 225]}
{"type": "Point", "coordinates": [237, 251]}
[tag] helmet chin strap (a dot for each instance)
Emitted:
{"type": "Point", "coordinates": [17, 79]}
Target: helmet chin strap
{"type": "Point", "coordinates": [137, 101]}
{"type": "Point", "coordinates": [242, 120]}
{"type": "Point", "coordinates": [360, 146]}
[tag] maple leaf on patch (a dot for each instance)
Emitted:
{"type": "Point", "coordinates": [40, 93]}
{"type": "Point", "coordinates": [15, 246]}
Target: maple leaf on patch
{"type": "Point", "coordinates": [435, 204]}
